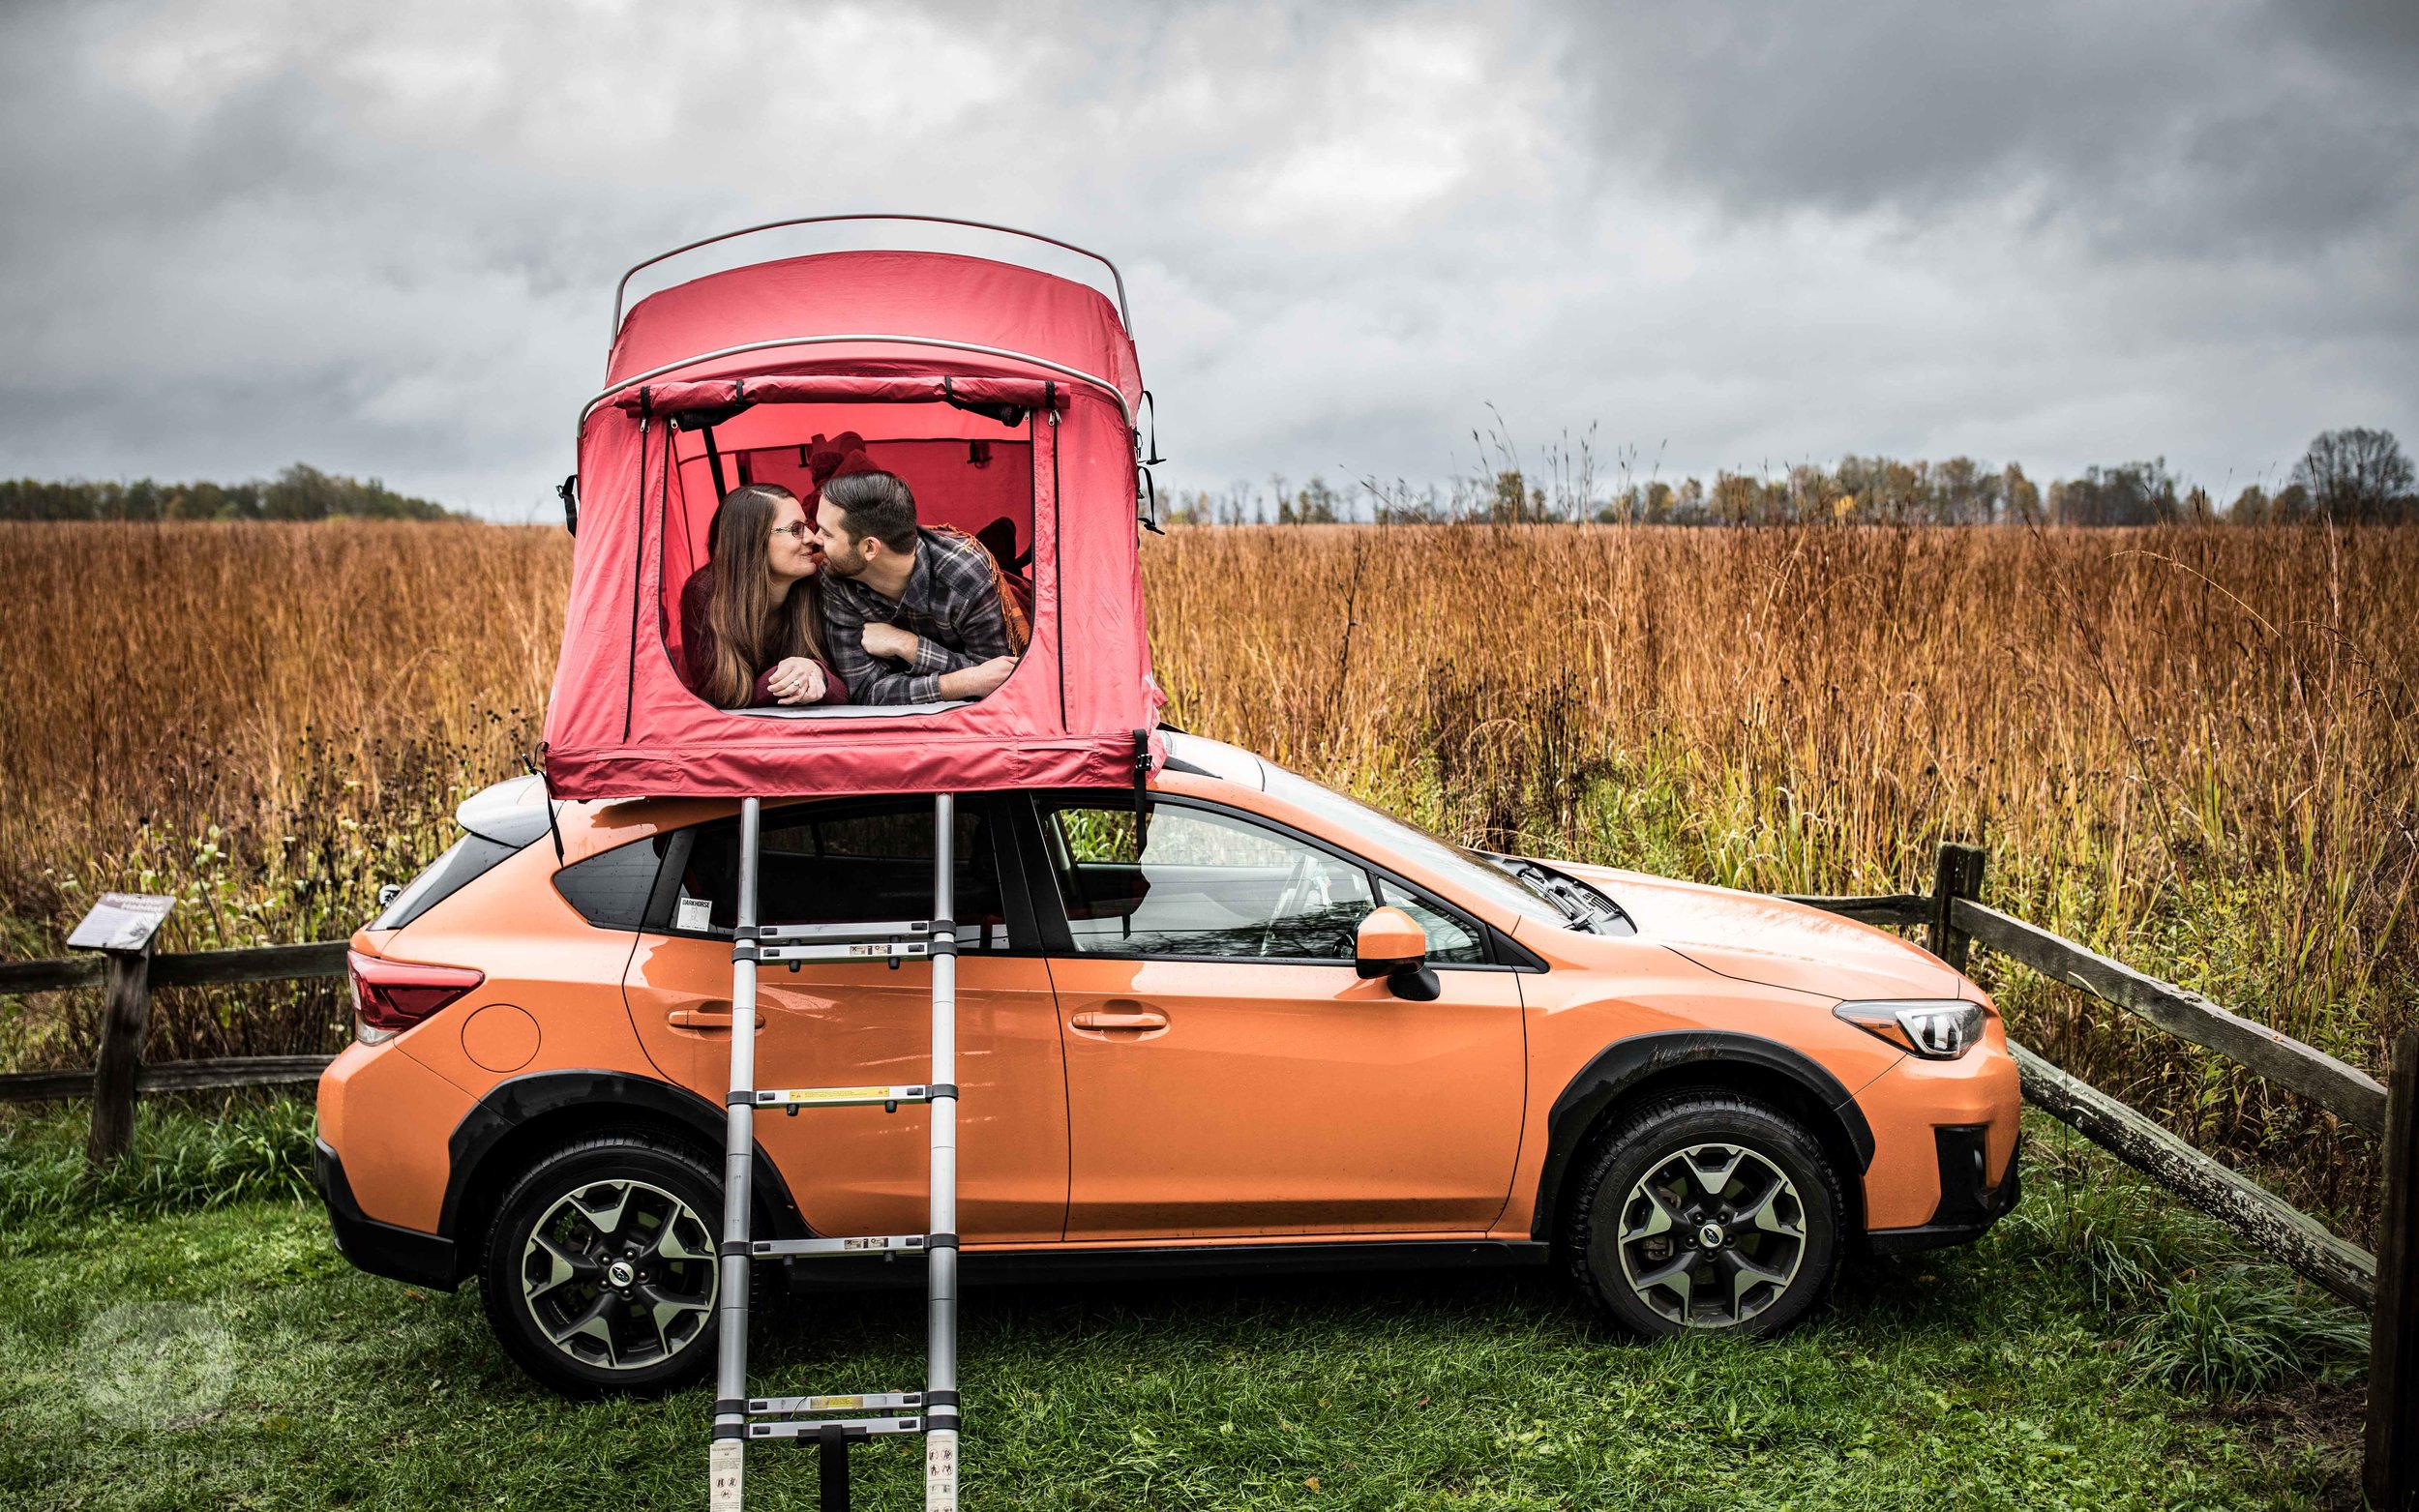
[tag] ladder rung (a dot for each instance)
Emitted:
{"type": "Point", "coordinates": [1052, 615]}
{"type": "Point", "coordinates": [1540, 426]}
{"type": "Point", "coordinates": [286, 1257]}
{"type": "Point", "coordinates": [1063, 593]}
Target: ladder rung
{"type": "Point", "coordinates": [868, 1244]}
{"type": "Point", "coordinates": [862, 950]}
{"type": "Point", "coordinates": [811, 1427]}
{"type": "Point", "coordinates": [841, 1096]}
{"type": "Point", "coordinates": [841, 934]}
{"type": "Point", "coordinates": [870, 1401]}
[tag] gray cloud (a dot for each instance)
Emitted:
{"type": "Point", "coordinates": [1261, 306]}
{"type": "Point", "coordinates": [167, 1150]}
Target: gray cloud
{"type": "Point", "coordinates": [2176, 126]}
{"type": "Point", "coordinates": [242, 232]}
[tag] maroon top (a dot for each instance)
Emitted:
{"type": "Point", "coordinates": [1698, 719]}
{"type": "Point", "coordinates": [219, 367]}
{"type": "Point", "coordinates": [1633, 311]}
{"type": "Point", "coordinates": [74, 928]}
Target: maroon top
{"type": "Point", "coordinates": [697, 648]}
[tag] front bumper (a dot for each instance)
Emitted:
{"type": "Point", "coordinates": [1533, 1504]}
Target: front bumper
{"type": "Point", "coordinates": [1968, 1207]}
{"type": "Point", "coordinates": [425, 1260]}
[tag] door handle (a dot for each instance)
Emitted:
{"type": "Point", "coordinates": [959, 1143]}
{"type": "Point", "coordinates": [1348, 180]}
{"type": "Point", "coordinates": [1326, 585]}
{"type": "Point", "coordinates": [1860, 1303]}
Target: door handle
{"type": "Point", "coordinates": [712, 1014]}
{"type": "Point", "coordinates": [1136, 1019]}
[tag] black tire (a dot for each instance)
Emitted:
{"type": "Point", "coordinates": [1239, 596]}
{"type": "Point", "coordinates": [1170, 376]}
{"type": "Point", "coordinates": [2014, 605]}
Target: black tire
{"type": "Point", "coordinates": [651, 1205]}
{"type": "Point", "coordinates": [1778, 1247]}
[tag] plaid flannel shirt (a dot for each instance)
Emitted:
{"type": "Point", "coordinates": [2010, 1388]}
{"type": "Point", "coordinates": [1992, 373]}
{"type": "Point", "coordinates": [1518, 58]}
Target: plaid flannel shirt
{"type": "Point", "coordinates": [951, 602]}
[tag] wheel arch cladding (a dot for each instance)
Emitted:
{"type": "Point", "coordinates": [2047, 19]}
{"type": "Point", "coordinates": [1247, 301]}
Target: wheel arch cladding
{"type": "Point", "coordinates": [519, 1118]}
{"type": "Point", "coordinates": [1631, 1070]}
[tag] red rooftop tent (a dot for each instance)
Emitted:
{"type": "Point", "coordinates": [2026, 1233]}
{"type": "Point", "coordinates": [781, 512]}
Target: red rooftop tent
{"type": "Point", "coordinates": [1004, 395]}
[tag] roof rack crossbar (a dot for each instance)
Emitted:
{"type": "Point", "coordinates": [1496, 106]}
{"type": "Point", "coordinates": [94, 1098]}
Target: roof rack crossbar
{"type": "Point", "coordinates": [620, 290]}
{"type": "Point", "coordinates": [1102, 384]}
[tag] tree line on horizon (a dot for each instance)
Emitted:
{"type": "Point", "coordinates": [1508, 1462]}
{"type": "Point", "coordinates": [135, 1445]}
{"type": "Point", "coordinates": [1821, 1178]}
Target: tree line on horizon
{"type": "Point", "coordinates": [2354, 476]}
{"type": "Point", "coordinates": [300, 492]}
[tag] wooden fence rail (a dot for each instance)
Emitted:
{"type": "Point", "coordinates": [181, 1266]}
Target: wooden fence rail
{"type": "Point", "coordinates": [2353, 1095]}
{"type": "Point", "coordinates": [2270, 1223]}
{"type": "Point", "coordinates": [170, 1075]}
{"type": "Point", "coordinates": [2386, 1284]}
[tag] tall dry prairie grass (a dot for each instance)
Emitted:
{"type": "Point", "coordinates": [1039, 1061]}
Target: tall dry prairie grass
{"type": "Point", "coordinates": [2193, 748]}
{"type": "Point", "coordinates": [267, 720]}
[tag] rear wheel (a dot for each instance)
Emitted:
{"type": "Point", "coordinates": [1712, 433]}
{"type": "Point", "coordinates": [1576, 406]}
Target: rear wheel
{"type": "Point", "coordinates": [1705, 1211]}
{"type": "Point", "coordinates": [600, 1274]}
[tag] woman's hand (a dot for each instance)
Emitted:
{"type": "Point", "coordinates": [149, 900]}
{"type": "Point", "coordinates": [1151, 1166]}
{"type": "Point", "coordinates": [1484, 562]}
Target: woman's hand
{"type": "Point", "coordinates": [892, 644]}
{"type": "Point", "coordinates": [797, 679]}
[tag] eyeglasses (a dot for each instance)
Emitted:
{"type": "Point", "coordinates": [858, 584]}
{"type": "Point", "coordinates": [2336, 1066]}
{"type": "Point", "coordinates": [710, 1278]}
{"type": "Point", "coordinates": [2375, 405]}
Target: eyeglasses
{"type": "Point", "coordinates": [797, 530]}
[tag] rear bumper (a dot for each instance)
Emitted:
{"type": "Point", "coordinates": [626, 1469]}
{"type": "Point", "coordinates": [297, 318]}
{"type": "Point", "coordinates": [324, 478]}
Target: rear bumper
{"type": "Point", "coordinates": [424, 1260]}
{"type": "Point", "coordinates": [1968, 1207]}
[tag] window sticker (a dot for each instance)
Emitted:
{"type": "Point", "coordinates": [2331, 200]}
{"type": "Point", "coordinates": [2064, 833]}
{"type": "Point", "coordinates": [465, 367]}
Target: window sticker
{"type": "Point", "coordinates": [696, 913]}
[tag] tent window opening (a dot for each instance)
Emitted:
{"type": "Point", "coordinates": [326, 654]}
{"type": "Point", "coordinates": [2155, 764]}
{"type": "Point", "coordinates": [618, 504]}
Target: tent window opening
{"type": "Point", "coordinates": [973, 487]}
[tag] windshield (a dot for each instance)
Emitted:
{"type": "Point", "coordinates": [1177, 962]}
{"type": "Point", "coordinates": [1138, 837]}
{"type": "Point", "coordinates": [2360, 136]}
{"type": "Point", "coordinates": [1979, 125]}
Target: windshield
{"type": "Point", "coordinates": [1468, 869]}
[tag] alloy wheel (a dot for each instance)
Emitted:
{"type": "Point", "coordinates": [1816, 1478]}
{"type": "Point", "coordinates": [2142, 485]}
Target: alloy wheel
{"type": "Point", "coordinates": [619, 1274]}
{"type": "Point", "coordinates": [1711, 1235]}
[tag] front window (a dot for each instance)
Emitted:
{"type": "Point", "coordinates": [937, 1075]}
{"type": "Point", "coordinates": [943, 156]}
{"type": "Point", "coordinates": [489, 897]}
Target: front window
{"type": "Point", "coordinates": [1206, 884]}
{"type": "Point", "coordinates": [1451, 942]}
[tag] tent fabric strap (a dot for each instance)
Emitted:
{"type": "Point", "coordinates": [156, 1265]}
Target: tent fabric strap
{"type": "Point", "coordinates": [1141, 794]}
{"type": "Point", "coordinates": [638, 573]}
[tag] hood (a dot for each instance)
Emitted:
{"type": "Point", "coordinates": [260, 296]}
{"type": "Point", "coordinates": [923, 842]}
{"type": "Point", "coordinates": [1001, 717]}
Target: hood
{"type": "Point", "coordinates": [1754, 937]}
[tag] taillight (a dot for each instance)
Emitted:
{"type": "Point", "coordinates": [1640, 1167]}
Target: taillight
{"type": "Point", "coordinates": [390, 996]}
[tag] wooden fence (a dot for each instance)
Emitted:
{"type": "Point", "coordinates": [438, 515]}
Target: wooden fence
{"type": "Point", "coordinates": [127, 978]}
{"type": "Point", "coordinates": [2385, 1284]}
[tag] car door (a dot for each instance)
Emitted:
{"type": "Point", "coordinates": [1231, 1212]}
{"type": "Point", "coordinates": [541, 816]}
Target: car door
{"type": "Point", "coordinates": [858, 1170]}
{"type": "Point", "coordinates": [1228, 1072]}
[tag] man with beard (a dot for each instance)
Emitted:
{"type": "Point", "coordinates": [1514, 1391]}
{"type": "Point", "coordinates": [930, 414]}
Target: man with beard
{"type": "Point", "coordinates": [910, 615]}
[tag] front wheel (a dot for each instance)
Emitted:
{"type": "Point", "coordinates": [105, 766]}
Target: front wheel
{"type": "Point", "coordinates": [600, 1273]}
{"type": "Point", "coordinates": [1705, 1211]}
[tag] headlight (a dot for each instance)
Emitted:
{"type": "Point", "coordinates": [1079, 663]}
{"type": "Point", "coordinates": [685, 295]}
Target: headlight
{"type": "Point", "coordinates": [1934, 1029]}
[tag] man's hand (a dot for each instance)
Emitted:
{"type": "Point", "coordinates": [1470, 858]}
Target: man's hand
{"type": "Point", "coordinates": [797, 679]}
{"type": "Point", "coordinates": [976, 681]}
{"type": "Point", "coordinates": [891, 643]}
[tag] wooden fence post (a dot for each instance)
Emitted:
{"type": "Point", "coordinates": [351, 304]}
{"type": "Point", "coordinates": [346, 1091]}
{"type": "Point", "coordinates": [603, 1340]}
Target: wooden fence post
{"type": "Point", "coordinates": [1957, 873]}
{"type": "Point", "coordinates": [124, 1018]}
{"type": "Point", "coordinates": [2390, 1467]}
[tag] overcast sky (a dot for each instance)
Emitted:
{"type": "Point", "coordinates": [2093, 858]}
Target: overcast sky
{"type": "Point", "coordinates": [382, 238]}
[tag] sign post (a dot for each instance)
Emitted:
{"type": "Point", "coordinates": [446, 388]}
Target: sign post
{"type": "Point", "coordinates": [122, 927]}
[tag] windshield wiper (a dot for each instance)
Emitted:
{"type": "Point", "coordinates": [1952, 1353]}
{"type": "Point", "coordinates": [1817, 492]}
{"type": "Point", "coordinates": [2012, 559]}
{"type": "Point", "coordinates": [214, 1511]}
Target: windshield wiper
{"type": "Point", "coordinates": [1579, 902]}
{"type": "Point", "coordinates": [1547, 884]}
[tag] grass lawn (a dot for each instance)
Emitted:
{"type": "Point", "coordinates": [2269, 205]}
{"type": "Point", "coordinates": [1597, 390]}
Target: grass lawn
{"type": "Point", "coordinates": [186, 1335]}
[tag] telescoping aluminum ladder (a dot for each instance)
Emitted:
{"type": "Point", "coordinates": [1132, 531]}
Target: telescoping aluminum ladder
{"type": "Point", "coordinates": [740, 1418]}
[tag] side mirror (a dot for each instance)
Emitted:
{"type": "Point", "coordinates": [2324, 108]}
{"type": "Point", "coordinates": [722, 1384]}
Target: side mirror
{"type": "Point", "coordinates": [1392, 945]}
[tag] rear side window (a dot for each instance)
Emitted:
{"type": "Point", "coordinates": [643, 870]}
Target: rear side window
{"type": "Point", "coordinates": [612, 888]}
{"type": "Point", "coordinates": [463, 861]}
{"type": "Point", "coordinates": [848, 863]}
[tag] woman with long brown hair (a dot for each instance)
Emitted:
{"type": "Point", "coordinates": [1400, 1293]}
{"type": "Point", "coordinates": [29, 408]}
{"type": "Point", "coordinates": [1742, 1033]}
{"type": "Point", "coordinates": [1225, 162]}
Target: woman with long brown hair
{"type": "Point", "coordinates": [751, 618]}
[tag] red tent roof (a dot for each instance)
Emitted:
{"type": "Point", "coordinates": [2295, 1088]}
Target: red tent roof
{"type": "Point", "coordinates": [967, 300]}
{"type": "Point", "coordinates": [622, 724]}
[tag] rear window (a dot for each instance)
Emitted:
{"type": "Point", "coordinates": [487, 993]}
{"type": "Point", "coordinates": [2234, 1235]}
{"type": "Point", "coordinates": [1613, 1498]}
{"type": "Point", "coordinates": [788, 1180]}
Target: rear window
{"type": "Point", "coordinates": [463, 862]}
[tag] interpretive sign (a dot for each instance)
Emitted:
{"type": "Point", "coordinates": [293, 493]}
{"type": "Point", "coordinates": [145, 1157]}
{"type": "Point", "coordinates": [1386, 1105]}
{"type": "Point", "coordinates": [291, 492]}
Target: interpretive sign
{"type": "Point", "coordinates": [121, 921]}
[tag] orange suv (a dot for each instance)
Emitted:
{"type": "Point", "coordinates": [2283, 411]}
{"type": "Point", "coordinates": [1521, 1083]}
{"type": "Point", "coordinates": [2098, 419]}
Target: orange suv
{"type": "Point", "coordinates": [1178, 1055]}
